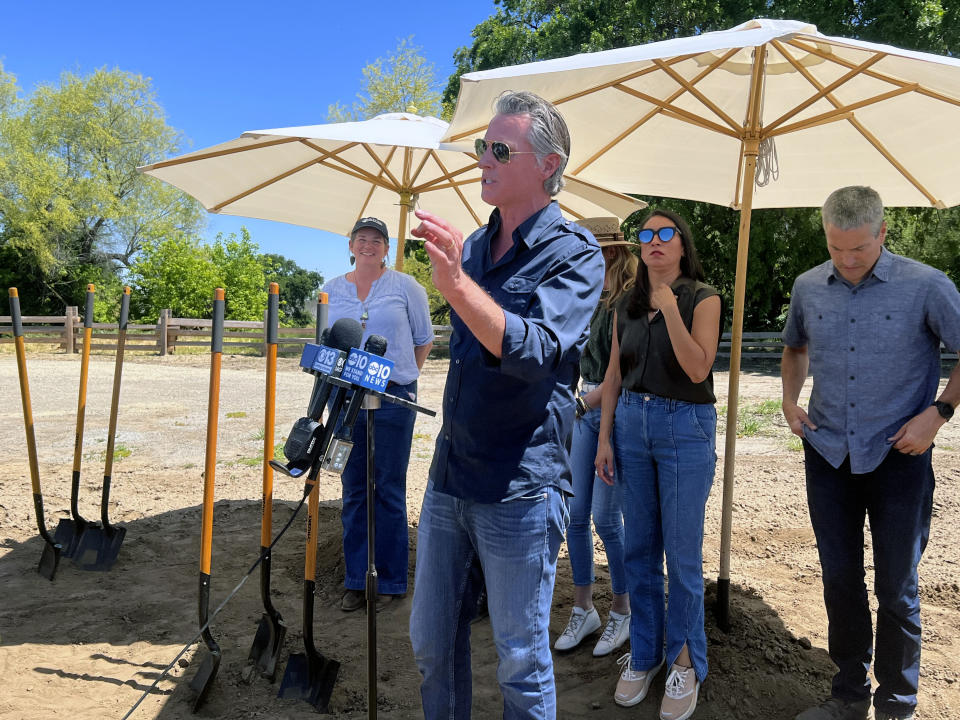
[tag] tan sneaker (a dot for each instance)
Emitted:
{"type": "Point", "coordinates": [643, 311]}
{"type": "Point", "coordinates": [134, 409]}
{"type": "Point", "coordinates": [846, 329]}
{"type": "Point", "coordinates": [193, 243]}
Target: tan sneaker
{"type": "Point", "coordinates": [679, 694]}
{"type": "Point", "coordinates": [633, 685]}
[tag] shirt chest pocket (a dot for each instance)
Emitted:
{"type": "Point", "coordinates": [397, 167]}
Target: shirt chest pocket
{"type": "Point", "coordinates": [884, 330]}
{"type": "Point", "coordinates": [823, 328]}
{"type": "Point", "coordinates": [515, 293]}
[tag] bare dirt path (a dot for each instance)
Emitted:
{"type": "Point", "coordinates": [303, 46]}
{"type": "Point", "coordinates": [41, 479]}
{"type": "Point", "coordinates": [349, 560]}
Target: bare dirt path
{"type": "Point", "coordinates": [88, 644]}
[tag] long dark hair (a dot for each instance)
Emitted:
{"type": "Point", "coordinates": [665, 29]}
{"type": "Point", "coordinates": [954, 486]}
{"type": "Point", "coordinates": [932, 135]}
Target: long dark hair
{"type": "Point", "coordinates": [639, 300]}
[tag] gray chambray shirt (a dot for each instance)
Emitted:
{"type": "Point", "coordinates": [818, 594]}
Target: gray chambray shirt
{"type": "Point", "coordinates": [874, 352]}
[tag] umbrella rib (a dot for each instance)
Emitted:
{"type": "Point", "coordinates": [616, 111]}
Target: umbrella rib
{"type": "Point", "coordinates": [216, 153]}
{"type": "Point", "coordinates": [873, 73]}
{"type": "Point", "coordinates": [256, 188]}
{"type": "Point", "coordinates": [841, 112]}
{"type": "Point", "coordinates": [679, 113]}
{"type": "Point", "coordinates": [383, 168]}
{"type": "Point", "coordinates": [870, 138]}
{"type": "Point", "coordinates": [576, 215]}
{"type": "Point", "coordinates": [633, 128]}
{"type": "Point", "coordinates": [429, 185]}
{"type": "Point", "coordinates": [423, 161]}
{"type": "Point", "coordinates": [358, 171]}
{"type": "Point", "coordinates": [359, 174]}
{"type": "Point", "coordinates": [698, 95]}
{"type": "Point", "coordinates": [456, 188]}
{"type": "Point", "coordinates": [451, 185]}
{"type": "Point", "coordinates": [842, 80]}
{"type": "Point", "coordinates": [588, 91]}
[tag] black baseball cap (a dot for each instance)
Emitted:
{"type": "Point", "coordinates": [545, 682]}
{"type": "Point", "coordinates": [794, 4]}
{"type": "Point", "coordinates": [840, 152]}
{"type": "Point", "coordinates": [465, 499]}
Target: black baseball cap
{"type": "Point", "coordinates": [374, 224]}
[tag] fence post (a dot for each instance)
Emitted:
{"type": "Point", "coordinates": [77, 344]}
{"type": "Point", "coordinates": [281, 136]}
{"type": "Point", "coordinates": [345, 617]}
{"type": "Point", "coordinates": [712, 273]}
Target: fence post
{"type": "Point", "coordinates": [162, 332]}
{"type": "Point", "coordinates": [69, 323]}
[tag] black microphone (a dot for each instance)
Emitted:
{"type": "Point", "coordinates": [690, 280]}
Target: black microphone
{"type": "Point", "coordinates": [345, 334]}
{"type": "Point", "coordinates": [376, 345]}
{"type": "Point", "coordinates": [337, 452]}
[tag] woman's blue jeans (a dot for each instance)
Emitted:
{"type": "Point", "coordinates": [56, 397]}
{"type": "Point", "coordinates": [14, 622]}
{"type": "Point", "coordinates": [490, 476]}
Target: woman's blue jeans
{"type": "Point", "coordinates": [393, 436]}
{"type": "Point", "coordinates": [666, 456]}
{"type": "Point", "coordinates": [593, 496]}
{"type": "Point", "coordinates": [516, 542]}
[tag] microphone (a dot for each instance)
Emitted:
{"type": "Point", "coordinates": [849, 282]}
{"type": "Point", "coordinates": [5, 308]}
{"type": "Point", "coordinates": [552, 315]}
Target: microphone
{"type": "Point", "coordinates": [376, 345]}
{"type": "Point", "coordinates": [308, 439]}
{"type": "Point", "coordinates": [345, 334]}
{"type": "Point", "coordinates": [335, 458]}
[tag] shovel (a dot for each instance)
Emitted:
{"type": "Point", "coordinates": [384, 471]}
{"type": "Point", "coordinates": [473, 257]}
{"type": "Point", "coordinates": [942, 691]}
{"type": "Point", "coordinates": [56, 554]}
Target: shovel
{"type": "Point", "coordinates": [100, 546]}
{"type": "Point", "coordinates": [69, 531]}
{"type": "Point", "coordinates": [202, 681]}
{"type": "Point", "coordinates": [50, 557]}
{"type": "Point", "coordinates": [268, 642]}
{"type": "Point", "coordinates": [309, 675]}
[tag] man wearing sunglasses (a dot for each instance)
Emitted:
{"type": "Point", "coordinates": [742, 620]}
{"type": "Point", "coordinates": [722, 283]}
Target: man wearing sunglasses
{"type": "Point", "coordinates": [522, 289]}
{"type": "Point", "coordinates": [868, 325]}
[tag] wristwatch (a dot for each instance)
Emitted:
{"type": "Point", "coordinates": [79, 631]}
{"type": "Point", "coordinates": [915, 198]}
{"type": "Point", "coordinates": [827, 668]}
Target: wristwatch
{"type": "Point", "coordinates": [944, 408]}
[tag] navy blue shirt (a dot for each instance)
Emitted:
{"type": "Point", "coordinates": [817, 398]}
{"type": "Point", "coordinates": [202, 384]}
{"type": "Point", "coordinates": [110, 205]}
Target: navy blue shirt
{"type": "Point", "coordinates": [874, 352]}
{"type": "Point", "coordinates": [507, 421]}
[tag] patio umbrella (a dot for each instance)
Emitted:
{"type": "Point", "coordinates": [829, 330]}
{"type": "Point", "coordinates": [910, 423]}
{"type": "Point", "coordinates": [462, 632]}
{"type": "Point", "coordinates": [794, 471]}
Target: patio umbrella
{"type": "Point", "coordinates": [767, 114]}
{"type": "Point", "coordinates": [328, 176]}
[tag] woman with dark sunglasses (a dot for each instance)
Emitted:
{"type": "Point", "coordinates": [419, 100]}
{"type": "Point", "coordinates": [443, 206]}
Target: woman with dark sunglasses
{"type": "Point", "coordinates": [663, 445]}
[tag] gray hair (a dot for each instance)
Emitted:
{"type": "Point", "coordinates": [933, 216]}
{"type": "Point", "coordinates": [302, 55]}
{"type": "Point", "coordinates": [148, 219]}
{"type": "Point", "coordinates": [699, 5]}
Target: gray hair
{"type": "Point", "coordinates": [852, 207]}
{"type": "Point", "coordinates": [548, 130]}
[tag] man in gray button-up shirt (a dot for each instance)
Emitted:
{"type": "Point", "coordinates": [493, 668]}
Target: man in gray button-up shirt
{"type": "Point", "coordinates": [868, 325]}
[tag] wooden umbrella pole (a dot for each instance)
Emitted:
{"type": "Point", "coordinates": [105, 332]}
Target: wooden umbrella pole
{"type": "Point", "coordinates": [751, 147]}
{"type": "Point", "coordinates": [406, 206]}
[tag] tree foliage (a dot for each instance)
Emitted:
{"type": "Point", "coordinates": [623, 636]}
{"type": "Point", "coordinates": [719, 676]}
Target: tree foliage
{"type": "Point", "coordinates": [298, 288]}
{"type": "Point", "coordinates": [180, 273]}
{"type": "Point", "coordinates": [72, 204]}
{"type": "Point", "coordinates": [783, 243]}
{"type": "Point", "coordinates": [403, 81]}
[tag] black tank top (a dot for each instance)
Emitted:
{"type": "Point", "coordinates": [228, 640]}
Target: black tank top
{"type": "Point", "coordinates": [647, 361]}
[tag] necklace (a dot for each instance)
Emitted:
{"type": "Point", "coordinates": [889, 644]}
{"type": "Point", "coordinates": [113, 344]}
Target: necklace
{"type": "Point", "coordinates": [364, 316]}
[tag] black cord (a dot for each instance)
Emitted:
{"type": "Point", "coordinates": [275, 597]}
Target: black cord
{"type": "Point", "coordinates": [216, 612]}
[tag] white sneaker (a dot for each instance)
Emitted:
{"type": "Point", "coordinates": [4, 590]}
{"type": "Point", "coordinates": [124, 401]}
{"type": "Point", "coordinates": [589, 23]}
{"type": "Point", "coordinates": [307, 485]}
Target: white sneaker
{"type": "Point", "coordinates": [582, 623]}
{"type": "Point", "coordinates": [679, 694]}
{"type": "Point", "coordinates": [633, 685]}
{"type": "Point", "coordinates": [614, 635]}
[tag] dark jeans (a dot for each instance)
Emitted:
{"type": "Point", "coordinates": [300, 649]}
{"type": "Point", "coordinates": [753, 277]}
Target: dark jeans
{"type": "Point", "coordinates": [897, 497]}
{"type": "Point", "coordinates": [393, 427]}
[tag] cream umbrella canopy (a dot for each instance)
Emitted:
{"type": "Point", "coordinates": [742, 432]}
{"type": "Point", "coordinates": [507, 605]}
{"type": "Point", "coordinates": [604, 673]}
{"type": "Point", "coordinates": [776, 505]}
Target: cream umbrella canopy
{"type": "Point", "coordinates": [767, 114]}
{"type": "Point", "coordinates": [328, 176]}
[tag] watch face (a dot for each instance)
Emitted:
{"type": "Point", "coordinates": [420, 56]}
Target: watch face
{"type": "Point", "coordinates": [945, 409]}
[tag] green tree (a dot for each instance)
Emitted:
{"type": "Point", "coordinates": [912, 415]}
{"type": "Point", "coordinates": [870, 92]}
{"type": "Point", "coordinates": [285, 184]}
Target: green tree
{"type": "Point", "coordinates": [783, 243]}
{"type": "Point", "coordinates": [402, 80]}
{"type": "Point", "coordinates": [239, 271]}
{"type": "Point", "coordinates": [298, 288]}
{"type": "Point", "coordinates": [175, 273]}
{"type": "Point", "coordinates": [71, 198]}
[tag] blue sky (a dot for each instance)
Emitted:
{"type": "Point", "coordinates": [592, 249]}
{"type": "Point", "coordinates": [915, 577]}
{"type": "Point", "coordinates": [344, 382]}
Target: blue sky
{"type": "Point", "coordinates": [220, 69]}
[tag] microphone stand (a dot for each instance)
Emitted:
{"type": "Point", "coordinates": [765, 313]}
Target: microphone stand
{"type": "Point", "coordinates": [371, 403]}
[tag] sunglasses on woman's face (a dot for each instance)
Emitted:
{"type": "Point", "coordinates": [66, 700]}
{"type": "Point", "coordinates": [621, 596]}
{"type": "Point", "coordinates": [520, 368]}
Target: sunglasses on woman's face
{"type": "Point", "coordinates": [665, 234]}
{"type": "Point", "coordinates": [500, 150]}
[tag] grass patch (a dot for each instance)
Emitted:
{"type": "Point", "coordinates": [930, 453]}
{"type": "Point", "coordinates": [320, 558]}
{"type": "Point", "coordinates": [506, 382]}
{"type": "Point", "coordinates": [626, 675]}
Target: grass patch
{"type": "Point", "coordinates": [257, 461]}
{"type": "Point", "coordinates": [794, 443]}
{"type": "Point", "coordinates": [422, 436]}
{"type": "Point", "coordinates": [236, 414]}
{"type": "Point", "coordinates": [762, 418]}
{"type": "Point", "coordinates": [120, 451]}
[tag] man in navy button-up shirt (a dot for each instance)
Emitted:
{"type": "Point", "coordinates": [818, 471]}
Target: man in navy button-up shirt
{"type": "Point", "coordinates": [522, 289]}
{"type": "Point", "coordinates": [868, 325]}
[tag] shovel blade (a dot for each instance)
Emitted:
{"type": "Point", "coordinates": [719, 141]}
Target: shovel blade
{"type": "Point", "coordinates": [309, 681]}
{"type": "Point", "coordinates": [99, 547]}
{"type": "Point", "coordinates": [267, 644]}
{"type": "Point", "coordinates": [203, 680]}
{"type": "Point", "coordinates": [49, 560]}
{"type": "Point", "coordinates": [68, 535]}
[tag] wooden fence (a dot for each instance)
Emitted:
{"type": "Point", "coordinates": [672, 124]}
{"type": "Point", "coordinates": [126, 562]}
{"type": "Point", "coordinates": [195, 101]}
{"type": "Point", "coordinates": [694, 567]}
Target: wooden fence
{"type": "Point", "coordinates": [169, 333]}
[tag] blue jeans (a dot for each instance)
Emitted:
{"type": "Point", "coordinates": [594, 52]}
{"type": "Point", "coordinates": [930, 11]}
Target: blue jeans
{"type": "Point", "coordinates": [898, 498]}
{"type": "Point", "coordinates": [666, 455]}
{"type": "Point", "coordinates": [517, 543]}
{"type": "Point", "coordinates": [593, 495]}
{"type": "Point", "coordinates": [393, 426]}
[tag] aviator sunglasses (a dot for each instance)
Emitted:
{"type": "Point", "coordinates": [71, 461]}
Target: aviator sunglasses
{"type": "Point", "coordinates": [665, 234]}
{"type": "Point", "coordinates": [500, 150]}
